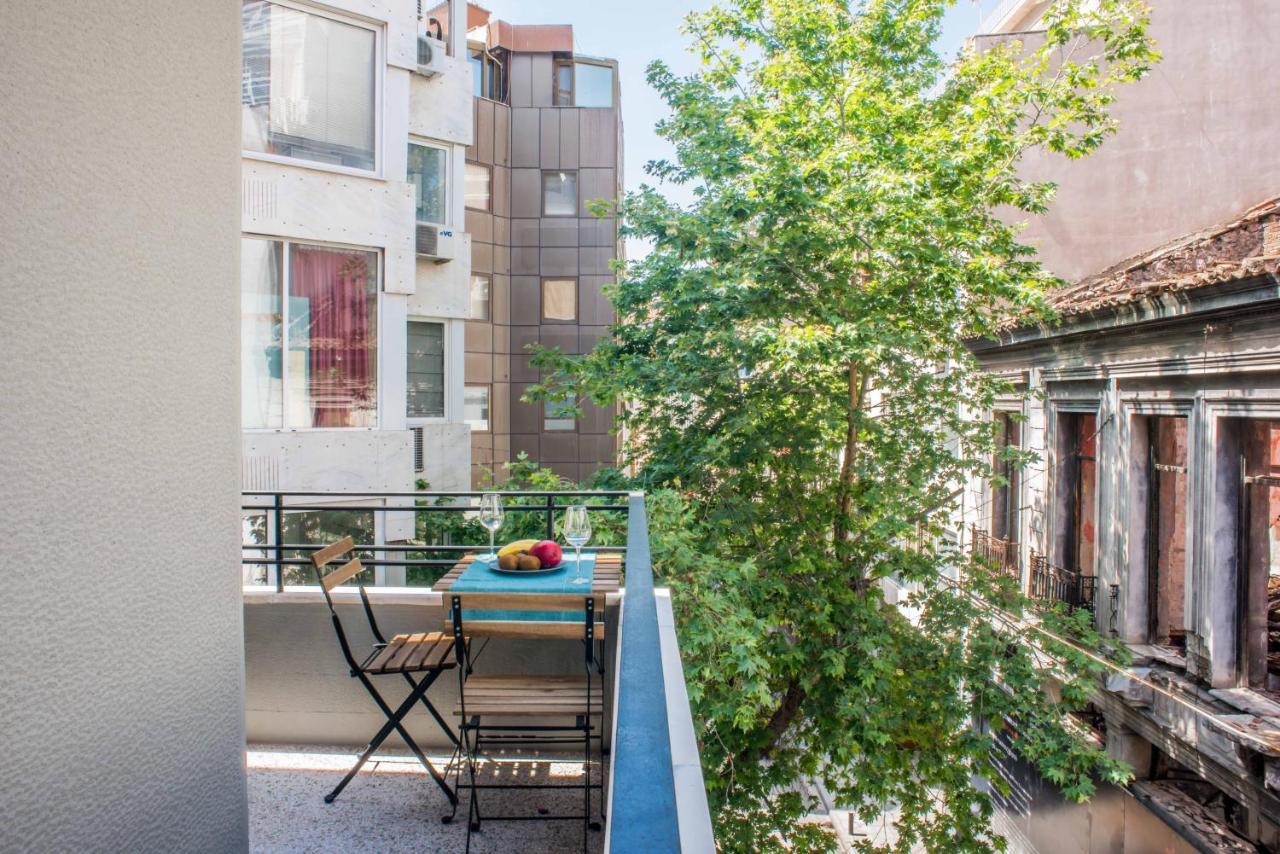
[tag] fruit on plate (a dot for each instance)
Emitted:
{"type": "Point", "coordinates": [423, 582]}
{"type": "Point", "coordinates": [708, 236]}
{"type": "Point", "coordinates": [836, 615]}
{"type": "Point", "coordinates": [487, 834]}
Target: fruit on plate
{"type": "Point", "coordinates": [517, 547]}
{"type": "Point", "coordinates": [528, 562]}
{"type": "Point", "coordinates": [508, 562]}
{"type": "Point", "coordinates": [547, 552]}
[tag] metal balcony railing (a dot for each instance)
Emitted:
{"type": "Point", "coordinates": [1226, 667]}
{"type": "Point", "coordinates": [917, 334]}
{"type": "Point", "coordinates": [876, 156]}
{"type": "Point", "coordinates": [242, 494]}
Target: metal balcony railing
{"type": "Point", "coordinates": [1055, 584]}
{"type": "Point", "coordinates": [1001, 555]}
{"type": "Point", "coordinates": [653, 734]}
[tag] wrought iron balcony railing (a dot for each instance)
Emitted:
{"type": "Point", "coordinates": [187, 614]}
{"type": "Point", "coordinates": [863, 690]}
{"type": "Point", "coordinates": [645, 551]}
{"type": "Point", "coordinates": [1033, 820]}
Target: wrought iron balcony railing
{"type": "Point", "coordinates": [1055, 584]}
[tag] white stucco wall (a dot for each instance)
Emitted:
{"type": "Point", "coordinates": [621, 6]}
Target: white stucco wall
{"type": "Point", "coordinates": [121, 692]}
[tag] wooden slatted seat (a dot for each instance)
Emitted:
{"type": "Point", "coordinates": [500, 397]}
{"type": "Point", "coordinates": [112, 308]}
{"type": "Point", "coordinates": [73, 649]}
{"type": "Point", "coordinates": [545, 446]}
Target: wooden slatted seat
{"type": "Point", "coordinates": [426, 655]}
{"type": "Point", "coordinates": [531, 695]}
{"type": "Point", "coordinates": [412, 654]}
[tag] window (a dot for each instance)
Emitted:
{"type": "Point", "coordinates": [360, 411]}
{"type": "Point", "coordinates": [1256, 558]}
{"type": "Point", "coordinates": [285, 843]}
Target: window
{"type": "Point", "coordinates": [425, 382]}
{"type": "Point", "coordinates": [479, 178]}
{"type": "Point", "coordinates": [559, 193]}
{"type": "Point", "coordinates": [1077, 492]}
{"type": "Point", "coordinates": [581, 84]}
{"type": "Point", "coordinates": [309, 335]}
{"type": "Point", "coordinates": [475, 407]}
{"type": "Point", "coordinates": [559, 299]}
{"type": "Point", "coordinates": [480, 297]}
{"type": "Point", "coordinates": [428, 172]}
{"type": "Point", "coordinates": [488, 75]}
{"type": "Point", "coordinates": [1252, 446]}
{"type": "Point", "coordinates": [558, 413]}
{"type": "Point", "coordinates": [1165, 545]}
{"type": "Point", "coordinates": [1005, 488]}
{"type": "Point", "coordinates": [562, 83]}
{"type": "Point", "coordinates": [308, 86]}
{"type": "Point", "coordinates": [592, 85]}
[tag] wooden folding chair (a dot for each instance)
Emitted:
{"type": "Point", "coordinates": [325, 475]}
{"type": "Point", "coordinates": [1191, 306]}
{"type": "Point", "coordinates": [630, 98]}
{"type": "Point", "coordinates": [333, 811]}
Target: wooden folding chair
{"type": "Point", "coordinates": [579, 698]}
{"type": "Point", "coordinates": [418, 658]}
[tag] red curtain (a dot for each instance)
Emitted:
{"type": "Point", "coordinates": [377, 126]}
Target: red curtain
{"type": "Point", "coordinates": [341, 333]}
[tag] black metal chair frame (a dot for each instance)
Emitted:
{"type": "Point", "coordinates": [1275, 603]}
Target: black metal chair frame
{"type": "Point", "coordinates": [417, 693]}
{"type": "Point", "coordinates": [472, 732]}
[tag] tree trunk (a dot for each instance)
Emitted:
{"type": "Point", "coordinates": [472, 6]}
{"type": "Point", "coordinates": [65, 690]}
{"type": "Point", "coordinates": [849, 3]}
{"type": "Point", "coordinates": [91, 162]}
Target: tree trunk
{"type": "Point", "coordinates": [844, 507]}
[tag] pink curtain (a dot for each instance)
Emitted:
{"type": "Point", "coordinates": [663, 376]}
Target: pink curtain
{"type": "Point", "coordinates": [337, 285]}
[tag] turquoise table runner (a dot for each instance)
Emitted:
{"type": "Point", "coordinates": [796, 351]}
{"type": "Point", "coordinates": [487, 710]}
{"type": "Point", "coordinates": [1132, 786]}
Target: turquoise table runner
{"type": "Point", "coordinates": [479, 577]}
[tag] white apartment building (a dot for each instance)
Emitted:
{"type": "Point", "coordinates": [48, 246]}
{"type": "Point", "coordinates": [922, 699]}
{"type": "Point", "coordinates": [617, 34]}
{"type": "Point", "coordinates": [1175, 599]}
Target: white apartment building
{"type": "Point", "coordinates": [355, 266]}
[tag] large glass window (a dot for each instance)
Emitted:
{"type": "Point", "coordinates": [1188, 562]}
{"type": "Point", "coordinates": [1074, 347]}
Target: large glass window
{"type": "Point", "coordinates": [478, 181]}
{"type": "Point", "coordinates": [480, 297]}
{"type": "Point", "coordinates": [261, 330]}
{"type": "Point", "coordinates": [475, 407]}
{"type": "Point", "coordinates": [428, 172]}
{"type": "Point", "coordinates": [559, 299]}
{"type": "Point", "coordinates": [425, 382]}
{"type": "Point", "coordinates": [560, 193]}
{"type": "Point", "coordinates": [581, 84]}
{"type": "Point", "coordinates": [322, 372]}
{"type": "Point", "coordinates": [558, 412]}
{"type": "Point", "coordinates": [308, 86]}
{"type": "Point", "coordinates": [593, 85]}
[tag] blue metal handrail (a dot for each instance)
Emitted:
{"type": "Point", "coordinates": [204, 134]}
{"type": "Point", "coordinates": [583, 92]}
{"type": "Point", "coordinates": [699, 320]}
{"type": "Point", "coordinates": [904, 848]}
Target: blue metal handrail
{"type": "Point", "coordinates": [643, 817]}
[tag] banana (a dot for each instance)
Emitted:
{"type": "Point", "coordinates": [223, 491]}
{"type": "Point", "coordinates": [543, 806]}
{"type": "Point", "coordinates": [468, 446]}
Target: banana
{"type": "Point", "coordinates": [517, 546]}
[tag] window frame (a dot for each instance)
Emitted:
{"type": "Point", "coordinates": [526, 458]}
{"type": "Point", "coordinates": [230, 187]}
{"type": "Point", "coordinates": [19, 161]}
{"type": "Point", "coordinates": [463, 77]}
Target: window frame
{"type": "Point", "coordinates": [448, 179]}
{"type": "Point", "coordinates": [488, 208]}
{"type": "Point", "coordinates": [556, 65]}
{"type": "Point", "coordinates": [487, 58]}
{"type": "Point", "coordinates": [577, 193]}
{"type": "Point", "coordinates": [379, 363]}
{"type": "Point", "coordinates": [446, 364]}
{"type": "Point", "coordinates": [379, 75]}
{"type": "Point", "coordinates": [542, 299]}
{"type": "Point", "coordinates": [546, 419]}
{"type": "Point", "coordinates": [488, 397]}
{"type": "Point", "coordinates": [613, 82]}
{"type": "Point", "coordinates": [488, 311]}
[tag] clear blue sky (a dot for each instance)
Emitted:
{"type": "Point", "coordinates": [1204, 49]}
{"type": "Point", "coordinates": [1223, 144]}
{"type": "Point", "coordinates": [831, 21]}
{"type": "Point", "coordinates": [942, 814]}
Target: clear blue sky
{"type": "Point", "coordinates": [636, 33]}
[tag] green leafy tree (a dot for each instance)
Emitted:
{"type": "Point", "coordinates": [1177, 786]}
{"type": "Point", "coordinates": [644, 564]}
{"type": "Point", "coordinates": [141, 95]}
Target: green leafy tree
{"type": "Point", "coordinates": [792, 358]}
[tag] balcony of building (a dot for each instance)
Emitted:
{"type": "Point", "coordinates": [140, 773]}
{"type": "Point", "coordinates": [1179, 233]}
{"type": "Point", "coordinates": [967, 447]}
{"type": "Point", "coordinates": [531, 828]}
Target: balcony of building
{"type": "Point", "coordinates": [307, 719]}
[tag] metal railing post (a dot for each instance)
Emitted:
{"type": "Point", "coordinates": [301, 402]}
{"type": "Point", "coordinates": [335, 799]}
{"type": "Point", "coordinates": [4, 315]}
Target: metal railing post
{"type": "Point", "coordinates": [551, 517]}
{"type": "Point", "coordinates": [279, 534]}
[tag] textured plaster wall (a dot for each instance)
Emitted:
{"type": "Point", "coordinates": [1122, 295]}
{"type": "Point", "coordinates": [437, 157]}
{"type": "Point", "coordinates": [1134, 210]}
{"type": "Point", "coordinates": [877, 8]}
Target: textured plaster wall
{"type": "Point", "coordinates": [1196, 144]}
{"type": "Point", "coordinates": [121, 691]}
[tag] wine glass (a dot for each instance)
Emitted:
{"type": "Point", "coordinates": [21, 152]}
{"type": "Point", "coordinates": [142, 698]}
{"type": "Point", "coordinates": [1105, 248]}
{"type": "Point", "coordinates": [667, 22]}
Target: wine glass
{"type": "Point", "coordinates": [577, 530]}
{"type": "Point", "coordinates": [491, 518]}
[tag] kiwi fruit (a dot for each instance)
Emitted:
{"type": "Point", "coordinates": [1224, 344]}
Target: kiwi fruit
{"type": "Point", "coordinates": [509, 562]}
{"type": "Point", "coordinates": [528, 562]}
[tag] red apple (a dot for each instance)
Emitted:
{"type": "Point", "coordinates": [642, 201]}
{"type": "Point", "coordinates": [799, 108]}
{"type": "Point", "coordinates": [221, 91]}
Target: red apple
{"type": "Point", "coordinates": [547, 552]}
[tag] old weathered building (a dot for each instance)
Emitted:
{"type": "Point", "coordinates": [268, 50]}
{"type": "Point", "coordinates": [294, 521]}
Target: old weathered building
{"type": "Point", "coordinates": [1154, 410]}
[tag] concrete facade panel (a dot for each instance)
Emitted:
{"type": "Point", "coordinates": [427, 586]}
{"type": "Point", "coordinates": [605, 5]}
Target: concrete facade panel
{"type": "Point", "coordinates": [526, 193]}
{"type": "Point", "coordinates": [525, 260]}
{"type": "Point", "coordinates": [526, 299]}
{"type": "Point", "coordinates": [526, 418]}
{"type": "Point", "coordinates": [525, 134]}
{"type": "Point", "coordinates": [525, 232]}
{"type": "Point", "coordinates": [502, 135]}
{"type": "Point", "coordinates": [519, 81]}
{"type": "Point", "coordinates": [484, 131]}
{"type": "Point", "coordinates": [540, 80]}
{"type": "Point", "coordinates": [558, 232]}
{"type": "Point", "coordinates": [599, 139]}
{"type": "Point", "coordinates": [559, 262]}
{"type": "Point", "coordinates": [569, 139]}
{"type": "Point", "coordinates": [523, 443]}
{"type": "Point", "coordinates": [549, 139]}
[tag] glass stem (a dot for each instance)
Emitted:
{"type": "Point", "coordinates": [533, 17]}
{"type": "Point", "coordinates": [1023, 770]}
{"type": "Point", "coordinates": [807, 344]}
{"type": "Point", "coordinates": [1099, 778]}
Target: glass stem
{"type": "Point", "coordinates": [577, 563]}
{"type": "Point", "coordinates": [491, 535]}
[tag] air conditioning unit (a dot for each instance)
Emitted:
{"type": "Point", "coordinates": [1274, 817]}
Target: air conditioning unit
{"type": "Point", "coordinates": [431, 53]}
{"type": "Point", "coordinates": [435, 243]}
